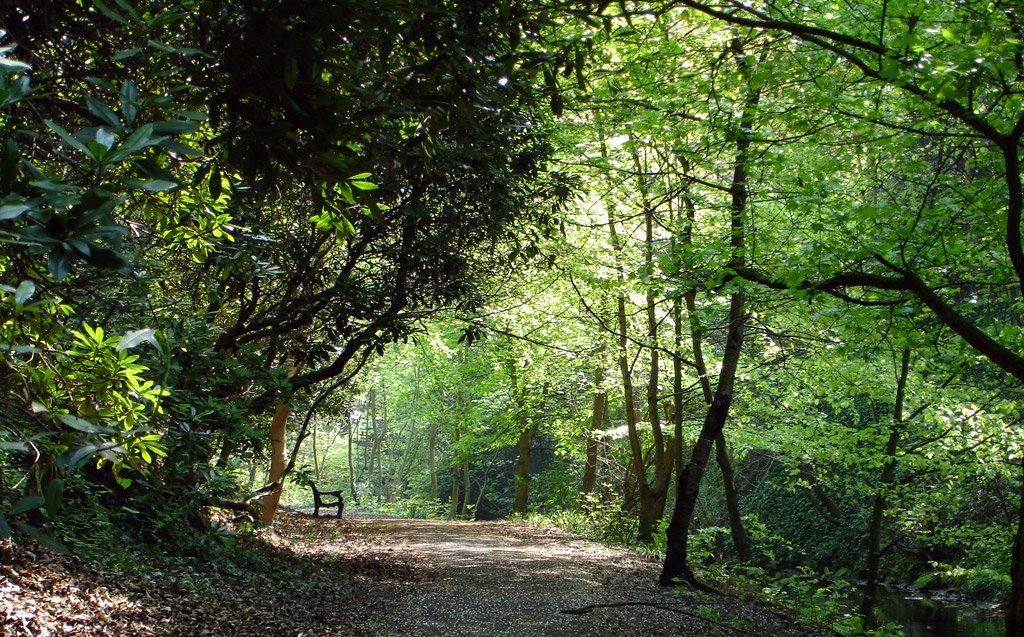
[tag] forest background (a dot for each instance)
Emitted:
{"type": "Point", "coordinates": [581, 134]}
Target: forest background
{"type": "Point", "coordinates": [481, 259]}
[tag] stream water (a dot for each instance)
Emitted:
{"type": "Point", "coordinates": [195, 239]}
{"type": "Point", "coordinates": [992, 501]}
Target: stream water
{"type": "Point", "coordinates": [922, 616]}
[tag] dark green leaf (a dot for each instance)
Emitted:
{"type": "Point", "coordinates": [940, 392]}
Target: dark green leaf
{"type": "Point", "coordinates": [103, 111]}
{"type": "Point", "coordinates": [43, 538]}
{"type": "Point", "coordinates": [58, 265]}
{"type": "Point", "coordinates": [139, 139]}
{"type": "Point", "coordinates": [5, 529]}
{"type": "Point", "coordinates": [68, 139]}
{"type": "Point", "coordinates": [12, 211]}
{"type": "Point", "coordinates": [27, 503]}
{"type": "Point", "coordinates": [54, 496]}
{"type": "Point", "coordinates": [107, 11]}
{"type": "Point", "coordinates": [125, 54]}
{"type": "Point", "coordinates": [175, 127]}
{"type": "Point", "coordinates": [129, 102]}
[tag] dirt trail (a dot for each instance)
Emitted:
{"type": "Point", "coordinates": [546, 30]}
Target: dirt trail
{"type": "Point", "coordinates": [505, 580]}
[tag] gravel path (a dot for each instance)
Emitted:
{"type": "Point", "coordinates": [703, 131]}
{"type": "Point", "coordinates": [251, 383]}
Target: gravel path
{"type": "Point", "coordinates": [500, 579]}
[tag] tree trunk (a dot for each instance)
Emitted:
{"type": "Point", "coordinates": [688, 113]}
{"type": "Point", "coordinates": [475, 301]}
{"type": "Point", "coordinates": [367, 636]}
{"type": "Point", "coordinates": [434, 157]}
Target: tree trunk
{"type": "Point", "coordinates": [677, 565]}
{"type": "Point", "coordinates": [278, 460]}
{"type": "Point", "coordinates": [885, 480]}
{"type": "Point", "coordinates": [596, 424]}
{"type": "Point", "coordinates": [1015, 610]}
{"type": "Point", "coordinates": [740, 539]}
{"type": "Point", "coordinates": [464, 512]}
{"type": "Point", "coordinates": [832, 511]}
{"type": "Point", "coordinates": [351, 468]}
{"type": "Point", "coordinates": [316, 460]}
{"type": "Point", "coordinates": [453, 506]}
{"type": "Point", "coordinates": [527, 429]}
{"type": "Point", "coordinates": [431, 449]}
{"type": "Point", "coordinates": [523, 467]}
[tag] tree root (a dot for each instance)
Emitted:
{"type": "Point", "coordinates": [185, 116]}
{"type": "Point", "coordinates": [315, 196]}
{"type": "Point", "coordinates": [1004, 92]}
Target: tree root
{"type": "Point", "coordinates": [583, 610]}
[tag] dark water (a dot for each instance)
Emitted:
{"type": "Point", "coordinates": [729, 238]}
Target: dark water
{"type": "Point", "coordinates": [924, 617]}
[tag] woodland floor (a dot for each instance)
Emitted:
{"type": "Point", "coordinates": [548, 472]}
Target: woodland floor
{"type": "Point", "coordinates": [376, 577]}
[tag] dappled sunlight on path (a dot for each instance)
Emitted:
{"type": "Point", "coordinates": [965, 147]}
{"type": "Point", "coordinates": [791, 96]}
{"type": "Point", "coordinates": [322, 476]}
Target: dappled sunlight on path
{"type": "Point", "coordinates": [507, 580]}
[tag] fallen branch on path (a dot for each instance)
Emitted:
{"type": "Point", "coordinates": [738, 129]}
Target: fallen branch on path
{"type": "Point", "coordinates": [583, 610]}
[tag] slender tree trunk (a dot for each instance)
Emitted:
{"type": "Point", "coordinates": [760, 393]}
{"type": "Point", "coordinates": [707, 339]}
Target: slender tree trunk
{"type": "Point", "coordinates": [688, 485]}
{"type": "Point", "coordinates": [351, 468]}
{"type": "Point", "coordinates": [740, 539]}
{"type": "Point", "coordinates": [464, 512]}
{"type": "Point", "coordinates": [677, 565]}
{"type": "Point", "coordinates": [480, 494]}
{"type": "Point", "coordinates": [316, 459]}
{"type": "Point", "coordinates": [832, 511]}
{"type": "Point", "coordinates": [432, 460]}
{"type": "Point", "coordinates": [523, 466]}
{"type": "Point", "coordinates": [453, 507]}
{"type": "Point", "coordinates": [527, 428]}
{"type": "Point", "coordinates": [596, 424]}
{"type": "Point", "coordinates": [885, 480]}
{"type": "Point", "coordinates": [637, 454]}
{"type": "Point", "coordinates": [677, 384]}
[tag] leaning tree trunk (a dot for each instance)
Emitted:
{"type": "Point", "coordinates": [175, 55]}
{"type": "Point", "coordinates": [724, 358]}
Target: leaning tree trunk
{"type": "Point", "coordinates": [740, 539]}
{"type": "Point", "coordinates": [676, 566]}
{"type": "Point", "coordinates": [885, 480]}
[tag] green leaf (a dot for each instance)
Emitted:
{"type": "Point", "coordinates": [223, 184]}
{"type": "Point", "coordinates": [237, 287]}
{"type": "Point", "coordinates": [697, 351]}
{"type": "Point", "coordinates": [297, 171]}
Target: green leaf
{"type": "Point", "coordinates": [54, 496]}
{"type": "Point", "coordinates": [24, 292]}
{"type": "Point", "coordinates": [360, 176]}
{"type": "Point", "coordinates": [83, 425]}
{"type": "Point", "coordinates": [103, 111]}
{"type": "Point", "coordinates": [68, 139]}
{"type": "Point", "coordinates": [175, 127]}
{"type": "Point", "coordinates": [129, 102]}
{"type": "Point", "coordinates": [27, 503]}
{"type": "Point", "coordinates": [58, 264]}
{"type": "Point", "coordinates": [125, 54]}
{"type": "Point", "coordinates": [154, 185]}
{"type": "Point", "coordinates": [12, 211]}
{"type": "Point", "coordinates": [43, 538]}
{"type": "Point", "coordinates": [5, 529]}
{"type": "Point", "coordinates": [216, 185]}
{"type": "Point", "coordinates": [139, 139]}
{"type": "Point", "coordinates": [110, 13]}
{"type": "Point", "coordinates": [364, 185]}
{"type": "Point", "coordinates": [167, 17]}
{"type": "Point", "coordinates": [135, 337]}
{"type": "Point", "coordinates": [13, 66]}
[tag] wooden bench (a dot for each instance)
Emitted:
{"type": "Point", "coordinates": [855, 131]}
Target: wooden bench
{"type": "Point", "coordinates": [324, 499]}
